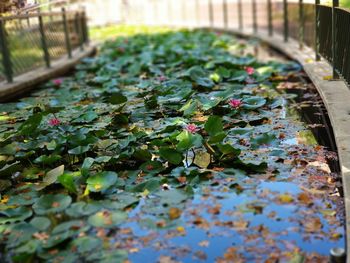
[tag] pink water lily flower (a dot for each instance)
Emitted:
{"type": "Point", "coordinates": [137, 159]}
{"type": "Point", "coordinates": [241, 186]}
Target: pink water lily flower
{"type": "Point", "coordinates": [192, 128]}
{"type": "Point", "coordinates": [162, 78]}
{"type": "Point", "coordinates": [58, 82]}
{"type": "Point", "coordinates": [235, 104]}
{"type": "Point", "coordinates": [250, 70]}
{"type": "Point", "coordinates": [54, 122]}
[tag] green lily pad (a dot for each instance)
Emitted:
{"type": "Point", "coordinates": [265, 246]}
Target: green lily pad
{"type": "Point", "coordinates": [101, 181]}
{"type": "Point", "coordinates": [253, 103]}
{"type": "Point", "coordinates": [172, 155]}
{"type": "Point", "coordinates": [107, 219]}
{"type": "Point", "coordinates": [50, 204]}
{"type": "Point", "coordinates": [12, 215]}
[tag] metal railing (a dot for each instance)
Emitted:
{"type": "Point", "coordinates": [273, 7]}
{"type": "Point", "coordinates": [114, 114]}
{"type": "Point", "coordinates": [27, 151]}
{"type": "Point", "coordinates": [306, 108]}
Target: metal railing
{"type": "Point", "coordinates": [323, 28]}
{"type": "Point", "coordinates": [33, 40]}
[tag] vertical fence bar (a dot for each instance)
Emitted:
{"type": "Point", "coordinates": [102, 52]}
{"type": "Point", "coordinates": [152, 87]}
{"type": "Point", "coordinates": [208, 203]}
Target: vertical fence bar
{"type": "Point", "coordinates": [334, 5]}
{"type": "Point", "coordinates": [28, 19]}
{"type": "Point", "coordinates": [197, 13]}
{"type": "Point", "coordinates": [285, 21]}
{"type": "Point", "coordinates": [6, 55]}
{"type": "Point", "coordinates": [43, 41]}
{"type": "Point", "coordinates": [317, 57]}
{"type": "Point", "coordinates": [269, 17]}
{"type": "Point", "coordinates": [301, 24]}
{"type": "Point", "coordinates": [211, 13]}
{"type": "Point", "coordinates": [78, 30]}
{"type": "Point", "coordinates": [255, 25]}
{"type": "Point", "coordinates": [225, 13]}
{"type": "Point", "coordinates": [240, 17]}
{"type": "Point", "coordinates": [85, 28]}
{"type": "Point", "coordinates": [66, 33]}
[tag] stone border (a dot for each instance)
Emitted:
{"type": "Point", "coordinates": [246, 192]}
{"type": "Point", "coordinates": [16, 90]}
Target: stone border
{"type": "Point", "coordinates": [334, 93]}
{"type": "Point", "coordinates": [30, 80]}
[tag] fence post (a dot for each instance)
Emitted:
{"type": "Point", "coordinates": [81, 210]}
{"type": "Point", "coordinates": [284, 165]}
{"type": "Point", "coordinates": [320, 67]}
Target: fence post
{"type": "Point", "coordinates": [28, 20]}
{"type": "Point", "coordinates": [269, 17]}
{"type": "Point", "coordinates": [85, 28]}
{"type": "Point", "coordinates": [66, 33]}
{"type": "Point", "coordinates": [317, 2]}
{"type": "Point", "coordinates": [255, 25]}
{"type": "Point", "coordinates": [6, 56]}
{"type": "Point", "coordinates": [78, 29]}
{"type": "Point", "coordinates": [197, 12]}
{"type": "Point", "coordinates": [211, 14]}
{"type": "Point", "coordinates": [301, 24]}
{"type": "Point", "coordinates": [285, 21]}
{"type": "Point", "coordinates": [334, 5]}
{"type": "Point", "coordinates": [224, 7]}
{"type": "Point", "coordinates": [240, 17]}
{"type": "Point", "coordinates": [43, 41]}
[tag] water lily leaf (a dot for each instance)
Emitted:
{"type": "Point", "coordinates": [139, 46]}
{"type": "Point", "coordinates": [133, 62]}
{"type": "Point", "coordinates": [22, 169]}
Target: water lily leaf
{"type": "Point", "coordinates": [86, 244]}
{"type": "Point", "coordinates": [4, 184]}
{"type": "Point", "coordinates": [67, 180]}
{"type": "Point", "coordinates": [202, 159]}
{"type": "Point", "coordinates": [79, 209]}
{"type": "Point", "coordinates": [107, 219]}
{"type": "Point", "coordinates": [51, 176]}
{"type": "Point", "coordinates": [44, 159]}
{"type": "Point", "coordinates": [12, 215]}
{"type": "Point", "coordinates": [41, 223]}
{"type": "Point", "coordinates": [188, 140]}
{"type": "Point", "coordinates": [101, 181]}
{"type": "Point", "coordinates": [88, 116]}
{"type": "Point", "coordinates": [253, 165]}
{"type": "Point", "coordinates": [88, 162]}
{"type": "Point", "coordinates": [253, 103]}
{"type": "Point", "coordinates": [171, 155]}
{"type": "Point", "coordinates": [190, 107]}
{"type": "Point", "coordinates": [149, 185]}
{"type": "Point", "coordinates": [200, 77]}
{"type": "Point", "coordinates": [79, 150]}
{"type": "Point", "coordinates": [214, 125]}
{"type": "Point", "coordinates": [227, 149]}
{"type": "Point", "coordinates": [277, 102]}
{"type": "Point", "coordinates": [117, 256]}
{"type": "Point", "coordinates": [10, 169]}
{"type": "Point", "coordinates": [31, 124]}
{"type": "Point", "coordinates": [117, 98]}
{"type": "Point", "coordinates": [50, 204]}
{"type": "Point", "coordinates": [264, 139]}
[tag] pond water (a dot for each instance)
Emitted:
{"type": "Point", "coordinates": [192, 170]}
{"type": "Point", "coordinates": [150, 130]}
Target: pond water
{"type": "Point", "coordinates": [173, 147]}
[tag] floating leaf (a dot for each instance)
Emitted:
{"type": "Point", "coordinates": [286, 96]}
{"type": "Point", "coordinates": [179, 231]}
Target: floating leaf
{"type": "Point", "coordinates": [107, 219]}
{"type": "Point", "coordinates": [12, 215]}
{"type": "Point", "coordinates": [101, 181]}
{"type": "Point", "coordinates": [51, 176]}
{"type": "Point", "coordinates": [172, 155]}
{"type": "Point", "coordinates": [202, 159]}
{"type": "Point", "coordinates": [50, 204]}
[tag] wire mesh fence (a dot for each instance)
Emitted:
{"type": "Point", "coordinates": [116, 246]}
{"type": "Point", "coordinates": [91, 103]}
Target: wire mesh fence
{"type": "Point", "coordinates": [30, 41]}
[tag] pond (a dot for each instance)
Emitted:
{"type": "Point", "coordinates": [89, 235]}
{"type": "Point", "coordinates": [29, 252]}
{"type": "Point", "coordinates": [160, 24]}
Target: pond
{"type": "Point", "coordinates": [180, 146]}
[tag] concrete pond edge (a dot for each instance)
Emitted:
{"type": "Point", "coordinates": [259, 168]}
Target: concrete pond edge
{"type": "Point", "coordinates": [334, 93]}
{"type": "Point", "coordinates": [30, 80]}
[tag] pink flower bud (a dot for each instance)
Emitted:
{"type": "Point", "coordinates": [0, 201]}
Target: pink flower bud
{"type": "Point", "coordinates": [54, 122]}
{"type": "Point", "coordinates": [235, 104]}
{"type": "Point", "coordinates": [192, 128]}
{"type": "Point", "coordinates": [58, 82]}
{"type": "Point", "coordinates": [250, 70]}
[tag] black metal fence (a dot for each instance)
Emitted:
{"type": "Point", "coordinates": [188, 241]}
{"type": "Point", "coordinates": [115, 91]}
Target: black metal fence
{"type": "Point", "coordinates": [323, 28]}
{"type": "Point", "coordinates": [33, 40]}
